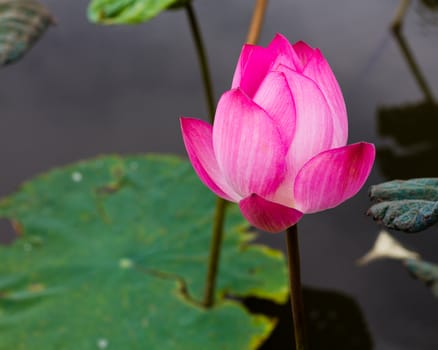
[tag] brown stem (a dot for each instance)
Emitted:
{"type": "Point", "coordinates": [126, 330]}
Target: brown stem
{"type": "Point", "coordinates": [256, 22]}
{"type": "Point", "coordinates": [296, 298]}
{"type": "Point", "coordinates": [397, 22]}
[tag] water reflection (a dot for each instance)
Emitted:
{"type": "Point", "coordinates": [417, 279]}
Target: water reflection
{"type": "Point", "coordinates": [414, 130]}
{"type": "Point", "coordinates": [412, 127]}
{"type": "Point", "coordinates": [428, 10]}
{"type": "Point", "coordinates": [334, 320]}
{"type": "Point", "coordinates": [431, 4]}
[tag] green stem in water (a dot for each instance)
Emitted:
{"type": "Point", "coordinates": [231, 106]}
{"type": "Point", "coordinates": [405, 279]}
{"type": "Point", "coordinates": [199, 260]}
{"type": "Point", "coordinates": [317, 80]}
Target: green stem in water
{"type": "Point", "coordinates": [296, 295]}
{"type": "Point", "coordinates": [218, 224]}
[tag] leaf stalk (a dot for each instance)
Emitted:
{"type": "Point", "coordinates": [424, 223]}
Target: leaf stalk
{"type": "Point", "coordinates": [219, 217]}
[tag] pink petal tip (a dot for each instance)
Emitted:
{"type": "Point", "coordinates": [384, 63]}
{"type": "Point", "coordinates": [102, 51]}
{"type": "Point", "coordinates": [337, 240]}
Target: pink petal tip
{"type": "Point", "coordinates": [268, 216]}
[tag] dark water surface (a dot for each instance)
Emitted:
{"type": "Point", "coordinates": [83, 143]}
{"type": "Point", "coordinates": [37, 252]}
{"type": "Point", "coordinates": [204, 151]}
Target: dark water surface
{"type": "Point", "coordinates": [86, 90]}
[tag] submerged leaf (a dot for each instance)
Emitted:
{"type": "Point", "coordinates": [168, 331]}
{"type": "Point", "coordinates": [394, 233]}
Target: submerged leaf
{"type": "Point", "coordinates": [425, 272]}
{"type": "Point", "coordinates": [387, 246]}
{"type": "Point", "coordinates": [113, 254]}
{"type": "Point", "coordinates": [128, 11]}
{"type": "Point", "coordinates": [22, 23]}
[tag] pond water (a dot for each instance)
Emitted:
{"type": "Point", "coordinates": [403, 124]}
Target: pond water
{"type": "Point", "coordinates": [86, 90]}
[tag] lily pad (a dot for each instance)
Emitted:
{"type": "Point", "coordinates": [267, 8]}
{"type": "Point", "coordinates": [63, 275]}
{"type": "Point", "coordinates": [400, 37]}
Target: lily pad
{"type": "Point", "coordinates": [129, 11]}
{"type": "Point", "coordinates": [22, 23]}
{"type": "Point", "coordinates": [112, 254]}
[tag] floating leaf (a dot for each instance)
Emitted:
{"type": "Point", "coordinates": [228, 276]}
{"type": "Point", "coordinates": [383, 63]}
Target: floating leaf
{"type": "Point", "coordinates": [113, 255]}
{"type": "Point", "coordinates": [129, 11]}
{"type": "Point", "coordinates": [406, 215]}
{"type": "Point", "coordinates": [22, 23]}
{"type": "Point", "coordinates": [425, 272]}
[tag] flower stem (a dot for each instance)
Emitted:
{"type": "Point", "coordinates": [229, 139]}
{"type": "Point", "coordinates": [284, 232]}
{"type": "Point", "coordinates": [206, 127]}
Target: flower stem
{"type": "Point", "coordinates": [203, 61]}
{"type": "Point", "coordinates": [218, 224]}
{"type": "Point", "coordinates": [256, 22]}
{"type": "Point", "coordinates": [296, 298]}
{"type": "Point", "coordinates": [215, 249]}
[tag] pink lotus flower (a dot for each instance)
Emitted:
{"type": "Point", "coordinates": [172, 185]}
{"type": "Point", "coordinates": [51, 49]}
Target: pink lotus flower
{"type": "Point", "coordinates": [278, 143]}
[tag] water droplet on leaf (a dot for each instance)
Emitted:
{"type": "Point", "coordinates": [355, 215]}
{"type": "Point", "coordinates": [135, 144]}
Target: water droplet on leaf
{"type": "Point", "coordinates": [76, 176]}
{"type": "Point", "coordinates": [102, 343]}
{"type": "Point", "coordinates": [125, 263]}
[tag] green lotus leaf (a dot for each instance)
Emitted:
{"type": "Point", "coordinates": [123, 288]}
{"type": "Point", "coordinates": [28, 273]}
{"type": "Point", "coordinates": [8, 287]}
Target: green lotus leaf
{"type": "Point", "coordinates": [112, 253]}
{"type": "Point", "coordinates": [129, 11]}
